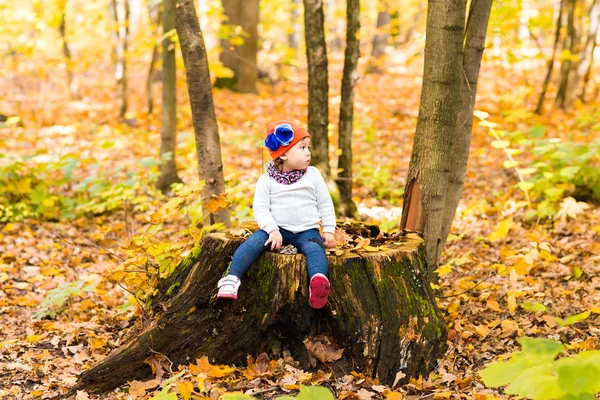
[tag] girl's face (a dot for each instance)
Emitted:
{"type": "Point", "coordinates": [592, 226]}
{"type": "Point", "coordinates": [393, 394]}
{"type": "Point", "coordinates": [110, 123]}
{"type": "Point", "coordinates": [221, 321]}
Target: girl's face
{"type": "Point", "coordinates": [298, 157]}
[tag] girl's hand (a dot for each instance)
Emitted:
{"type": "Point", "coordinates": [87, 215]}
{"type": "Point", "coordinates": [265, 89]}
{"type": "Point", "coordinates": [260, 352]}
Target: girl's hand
{"type": "Point", "coordinates": [328, 240]}
{"type": "Point", "coordinates": [275, 239]}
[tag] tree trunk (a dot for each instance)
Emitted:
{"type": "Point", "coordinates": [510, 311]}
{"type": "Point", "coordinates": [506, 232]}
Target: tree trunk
{"type": "Point", "coordinates": [155, 18]}
{"type": "Point", "coordinates": [585, 67]}
{"type": "Point", "coordinates": [569, 43]}
{"type": "Point", "coordinates": [381, 36]}
{"type": "Point", "coordinates": [72, 82]}
{"type": "Point", "coordinates": [241, 59]}
{"type": "Point", "coordinates": [540, 104]}
{"type": "Point", "coordinates": [294, 36]}
{"type": "Point", "coordinates": [168, 133]}
{"type": "Point", "coordinates": [474, 44]}
{"type": "Point", "coordinates": [208, 146]}
{"type": "Point", "coordinates": [346, 205]}
{"type": "Point", "coordinates": [581, 51]}
{"type": "Point", "coordinates": [248, 69]}
{"type": "Point", "coordinates": [121, 36]}
{"type": "Point", "coordinates": [381, 311]}
{"type": "Point", "coordinates": [318, 87]}
{"type": "Point", "coordinates": [588, 73]}
{"type": "Point", "coordinates": [430, 163]}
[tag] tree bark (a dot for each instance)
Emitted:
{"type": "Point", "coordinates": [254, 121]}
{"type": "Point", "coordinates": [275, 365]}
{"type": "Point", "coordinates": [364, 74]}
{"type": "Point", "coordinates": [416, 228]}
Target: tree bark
{"type": "Point", "coordinates": [121, 38]}
{"type": "Point", "coordinates": [242, 59]}
{"type": "Point", "coordinates": [318, 87]}
{"type": "Point", "coordinates": [346, 205]}
{"type": "Point", "coordinates": [168, 133]}
{"type": "Point", "coordinates": [430, 163]}
{"type": "Point", "coordinates": [381, 36]}
{"type": "Point", "coordinates": [72, 82]}
{"type": "Point", "coordinates": [474, 44]}
{"type": "Point", "coordinates": [381, 311]}
{"type": "Point", "coordinates": [208, 146]}
{"type": "Point", "coordinates": [540, 104]}
{"type": "Point", "coordinates": [584, 69]}
{"type": "Point", "coordinates": [569, 43]}
{"type": "Point", "coordinates": [155, 18]}
{"type": "Point", "coordinates": [294, 36]}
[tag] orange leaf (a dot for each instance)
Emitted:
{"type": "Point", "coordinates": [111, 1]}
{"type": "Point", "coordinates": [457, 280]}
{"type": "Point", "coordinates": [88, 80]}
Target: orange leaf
{"type": "Point", "coordinates": [185, 389]}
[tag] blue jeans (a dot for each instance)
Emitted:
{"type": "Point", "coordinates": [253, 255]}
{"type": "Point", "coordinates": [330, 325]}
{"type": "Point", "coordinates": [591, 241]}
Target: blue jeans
{"type": "Point", "coordinates": [309, 243]}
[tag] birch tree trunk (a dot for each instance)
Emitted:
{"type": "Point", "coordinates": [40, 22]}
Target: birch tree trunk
{"type": "Point", "coordinates": [381, 36]}
{"type": "Point", "coordinates": [168, 133]}
{"type": "Point", "coordinates": [294, 36]}
{"type": "Point", "coordinates": [155, 18]}
{"type": "Point", "coordinates": [318, 87]}
{"type": "Point", "coordinates": [474, 44]}
{"type": "Point", "coordinates": [72, 82]}
{"type": "Point", "coordinates": [569, 43]}
{"type": "Point", "coordinates": [540, 104]}
{"type": "Point", "coordinates": [120, 11]}
{"type": "Point", "coordinates": [428, 175]}
{"type": "Point", "coordinates": [346, 204]}
{"type": "Point", "coordinates": [208, 146]}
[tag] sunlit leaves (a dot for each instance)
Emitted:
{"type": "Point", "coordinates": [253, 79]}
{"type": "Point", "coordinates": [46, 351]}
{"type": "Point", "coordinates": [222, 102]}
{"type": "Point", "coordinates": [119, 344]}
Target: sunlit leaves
{"type": "Point", "coordinates": [570, 208]}
{"type": "Point", "coordinates": [533, 373]}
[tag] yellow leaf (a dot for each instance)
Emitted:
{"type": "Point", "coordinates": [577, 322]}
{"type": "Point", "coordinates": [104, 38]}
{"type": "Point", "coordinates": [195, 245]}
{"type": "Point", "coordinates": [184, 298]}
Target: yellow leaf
{"type": "Point", "coordinates": [23, 186]}
{"type": "Point", "coordinates": [97, 342]}
{"type": "Point", "coordinates": [217, 203]}
{"type": "Point", "coordinates": [512, 302]}
{"type": "Point", "coordinates": [185, 389]}
{"type": "Point", "coordinates": [482, 330]}
{"type": "Point", "coordinates": [212, 371]}
{"type": "Point", "coordinates": [33, 338]}
{"type": "Point", "coordinates": [8, 342]}
{"type": "Point", "coordinates": [522, 267]}
{"type": "Point", "coordinates": [394, 396]}
{"type": "Point", "coordinates": [200, 382]}
{"type": "Point", "coordinates": [444, 270]}
{"type": "Point", "coordinates": [493, 305]}
{"type": "Point", "coordinates": [595, 310]}
{"type": "Point", "coordinates": [502, 229]}
{"type": "Point", "coordinates": [442, 396]}
{"type": "Point", "coordinates": [371, 248]}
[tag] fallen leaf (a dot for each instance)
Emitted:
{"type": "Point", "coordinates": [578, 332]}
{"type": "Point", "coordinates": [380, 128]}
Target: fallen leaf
{"type": "Point", "coordinates": [185, 389]}
{"type": "Point", "coordinates": [323, 349]}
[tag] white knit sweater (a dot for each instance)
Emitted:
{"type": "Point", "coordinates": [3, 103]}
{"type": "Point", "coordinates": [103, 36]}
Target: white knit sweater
{"type": "Point", "coordinates": [296, 207]}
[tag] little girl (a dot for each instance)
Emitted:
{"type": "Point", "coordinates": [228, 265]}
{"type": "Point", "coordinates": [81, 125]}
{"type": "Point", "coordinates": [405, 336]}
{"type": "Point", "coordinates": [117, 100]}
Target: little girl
{"type": "Point", "coordinates": [290, 201]}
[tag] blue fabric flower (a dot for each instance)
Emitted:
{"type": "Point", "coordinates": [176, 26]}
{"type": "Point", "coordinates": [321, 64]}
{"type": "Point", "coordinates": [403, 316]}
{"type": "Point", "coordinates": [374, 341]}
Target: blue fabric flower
{"type": "Point", "coordinates": [284, 134]}
{"type": "Point", "coordinates": [271, 142]}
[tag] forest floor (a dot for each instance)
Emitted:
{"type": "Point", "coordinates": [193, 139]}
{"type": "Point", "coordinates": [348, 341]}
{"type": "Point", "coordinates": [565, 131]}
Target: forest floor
{"type": "Point", "coordinates": [485, 293]}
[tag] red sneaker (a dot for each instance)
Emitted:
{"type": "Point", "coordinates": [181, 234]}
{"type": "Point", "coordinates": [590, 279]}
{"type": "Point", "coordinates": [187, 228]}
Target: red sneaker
{"type": "Point", "coordinates": [318, 291]}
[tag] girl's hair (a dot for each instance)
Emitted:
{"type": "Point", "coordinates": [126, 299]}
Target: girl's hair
{"type": "Point", "coordinates": [278, 163]}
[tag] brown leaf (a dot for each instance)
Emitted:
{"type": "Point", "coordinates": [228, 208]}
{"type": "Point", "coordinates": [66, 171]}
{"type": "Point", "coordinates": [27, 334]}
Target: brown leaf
{"type": "Point", "coordinates": [138, 389]}
{"type": "Point", "coordinates": [323, 349]}
{"type": "Point", "coordinates": [158, 363]}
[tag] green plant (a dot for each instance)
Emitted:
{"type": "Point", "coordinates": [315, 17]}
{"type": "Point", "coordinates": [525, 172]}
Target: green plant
{"type": "Point", "coordinates": [48, 187]}
{"type": "Point", "coordinates": [56, 298]}
{"type": "Point", "coordinates": [534, 372]}
{"type": "Point", "coordinates": [306, 393]}
{"type": "Point", "coordinates": [559, 168]}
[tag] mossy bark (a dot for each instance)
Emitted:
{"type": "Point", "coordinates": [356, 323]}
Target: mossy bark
{"type": "Point", "coordinates": [381, 310]}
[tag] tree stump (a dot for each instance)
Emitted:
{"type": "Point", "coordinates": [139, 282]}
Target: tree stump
{"type": "Point", "coordinates": [381, 311]}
